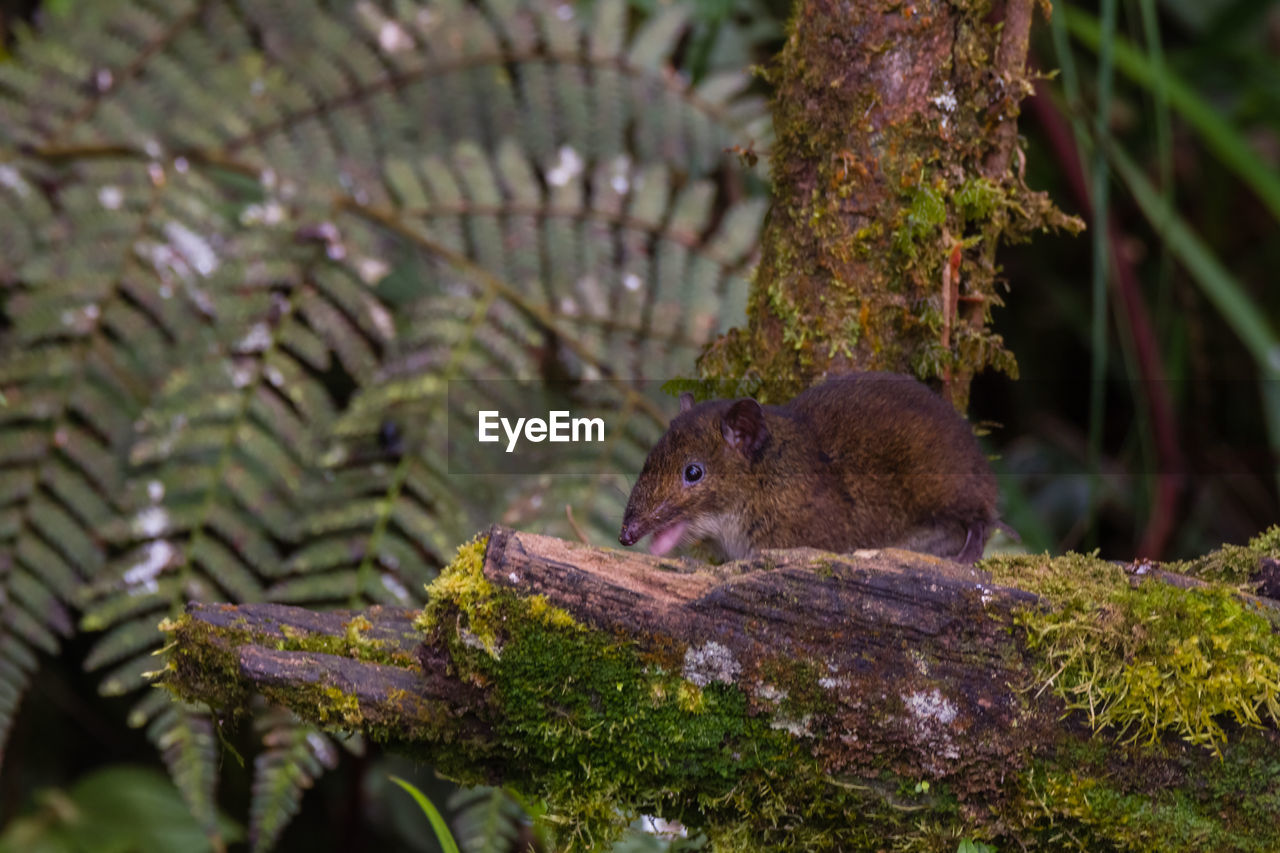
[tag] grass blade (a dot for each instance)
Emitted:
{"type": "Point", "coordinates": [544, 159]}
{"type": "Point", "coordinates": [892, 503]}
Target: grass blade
{"type": "Point", "coordinates": [1225, 141]}
{"type": "Point", "coordinates": [1220, 287]}
{"type": "Point", "coordinates": [1164, 150]}
{"type": "Point", "coordinates": [1101, 204]}
{"type": "Point", "coordinates": [438, 824]}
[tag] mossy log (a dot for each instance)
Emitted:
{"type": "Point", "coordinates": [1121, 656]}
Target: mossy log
{"type": "Point", "coordinates": [798, 700]}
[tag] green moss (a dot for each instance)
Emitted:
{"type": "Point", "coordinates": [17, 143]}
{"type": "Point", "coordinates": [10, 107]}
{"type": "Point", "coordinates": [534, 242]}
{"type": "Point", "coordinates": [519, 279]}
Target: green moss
{"type": "Point", "coordinates": [602, 731]}
{"type": "Point", "coordinates": [977, 198]}
{"type": "Point", "coordinates": [1244, 788]}
{"type": "Point", "coordinates": [338, 708]}
{"type": "Point", "coordinates": [1148, 659]}
{"type": "Point", "coordinates": [204, 667]}
{"type": "Point", "coordinates": [355, 633]}
{"type": "Point", "coordinates": [206, 662]}
{"type": "Point", "coordinates": [931, 359]}
{"type": "Point", "coordinates": [972, 201]}
{"type": "Point", "coordinates": [1233, 805]}
{"type": "Point", "coordinates": [1233, 563]}
{"type": "Point", "coordinates": [462, 585]}
{"type": "Point", "coordinates": [795, 328]}
{"type": "Point", "coordinates": [632, 727]}
{"type": "Point", "coordinates": [875, 208]}
{"type": "Point", "coordinates": [924, 214]}
{"type": "Point", "coordinates": [1267, 542]}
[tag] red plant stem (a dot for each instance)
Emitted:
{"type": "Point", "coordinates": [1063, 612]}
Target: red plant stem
{"type": "Point", "coordinates": [1170, 473]}
{"type": "Point", "coordinates": [950, 304]}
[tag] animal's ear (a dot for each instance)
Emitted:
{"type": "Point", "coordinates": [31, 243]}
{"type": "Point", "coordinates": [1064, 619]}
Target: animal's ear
{"type": "Point", "coordinates": [744, 429]}
{"type": "Point", "coordinates": [686, 402]}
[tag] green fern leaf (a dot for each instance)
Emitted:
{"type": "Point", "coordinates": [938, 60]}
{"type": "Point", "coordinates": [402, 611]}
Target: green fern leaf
{"type": "Point", "coordinates": [185, 738]}
{"type": "Point", "coordinates": [293, 756]}
{"type": "Point", "coordinates": [488, 820]}
{"type": "Point", "coordinates": [251, 246]}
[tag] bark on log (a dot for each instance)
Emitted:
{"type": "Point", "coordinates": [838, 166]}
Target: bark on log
{"type": "Point", "coordinates": [861, 676]}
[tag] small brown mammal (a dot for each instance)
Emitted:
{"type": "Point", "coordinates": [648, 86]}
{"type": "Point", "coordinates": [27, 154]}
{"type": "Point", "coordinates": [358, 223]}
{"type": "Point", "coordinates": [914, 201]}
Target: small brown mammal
{"type": "Point", "coordinates": [865, 460]}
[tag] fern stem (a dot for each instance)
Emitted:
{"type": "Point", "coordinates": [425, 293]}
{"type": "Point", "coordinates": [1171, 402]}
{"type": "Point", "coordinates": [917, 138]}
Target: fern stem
{"type": "Point", "coordinates": [133, 70]}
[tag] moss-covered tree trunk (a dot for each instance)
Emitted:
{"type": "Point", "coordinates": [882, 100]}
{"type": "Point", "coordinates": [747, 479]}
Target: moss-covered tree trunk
{"type": "Point", "coordinates": [896, 175]}
{"type": "Point", "coordinates": [804, 700]}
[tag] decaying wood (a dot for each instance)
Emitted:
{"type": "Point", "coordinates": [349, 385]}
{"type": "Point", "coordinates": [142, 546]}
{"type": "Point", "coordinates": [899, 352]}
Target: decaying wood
{"type": "Point", "coordinates": [865, 617]}
{"type": "Point", "coordinates": [385, 691]}
{"type": "Point", "coordinates": [869, 621]}
{"type": "Point", "coordinates": [921, 669]}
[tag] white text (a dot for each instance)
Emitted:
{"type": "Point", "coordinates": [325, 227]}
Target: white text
{"type": "Point", "coordinates": [558, 427]}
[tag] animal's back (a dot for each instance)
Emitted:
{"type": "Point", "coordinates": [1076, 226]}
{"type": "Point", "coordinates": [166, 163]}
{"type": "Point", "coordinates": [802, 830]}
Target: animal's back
{"type": "Point", "coordinates": [897, 445]}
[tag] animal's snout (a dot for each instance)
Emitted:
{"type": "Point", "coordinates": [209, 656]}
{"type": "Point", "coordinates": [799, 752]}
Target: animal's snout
{"type": "Point", "coordinates": [629, 536]}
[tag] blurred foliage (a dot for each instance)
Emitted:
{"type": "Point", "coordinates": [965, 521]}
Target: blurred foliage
{"type": "Point", "coordinates": [244, 247]}
{"type": "Point", "coordinates": [252, 251]}
{"type": "Point", "coordinates": [1190, 146]}
{"type": "Point", "coordinates": [491, 820]}
{"type": "Point", "coordinates": [117, 809]}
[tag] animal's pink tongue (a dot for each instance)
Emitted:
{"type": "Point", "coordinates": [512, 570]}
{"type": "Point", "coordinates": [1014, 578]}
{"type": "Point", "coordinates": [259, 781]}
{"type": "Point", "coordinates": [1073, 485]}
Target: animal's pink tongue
{"type": "Point", "coordinates": [666, 538]}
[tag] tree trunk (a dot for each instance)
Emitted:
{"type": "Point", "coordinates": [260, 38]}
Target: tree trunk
{"type": "Point", "coordinates": [801, 699]}
{"type": "Point", "coordinates": [896, 175]}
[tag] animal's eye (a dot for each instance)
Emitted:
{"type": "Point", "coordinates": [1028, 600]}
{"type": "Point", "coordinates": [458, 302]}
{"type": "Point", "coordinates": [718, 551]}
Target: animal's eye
{"type": "Point", "coordinates": [692, 473]}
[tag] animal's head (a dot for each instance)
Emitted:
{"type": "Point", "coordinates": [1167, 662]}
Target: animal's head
{"type": "Point", "coordinates": [694, 479]}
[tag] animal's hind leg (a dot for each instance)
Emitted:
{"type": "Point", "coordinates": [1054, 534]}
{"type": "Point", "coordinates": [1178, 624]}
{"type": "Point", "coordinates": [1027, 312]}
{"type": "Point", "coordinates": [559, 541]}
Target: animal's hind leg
{"type": "Point", "coordinates": [940, 539]}
{"type": "Point", "coordinates": [975, 540]}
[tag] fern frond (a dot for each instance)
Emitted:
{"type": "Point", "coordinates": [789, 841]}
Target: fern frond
{"type": "Point", "coordinates": [487, 820]}
{"type": "Point", "coordinates": [186, 741]}
{"type": "Point", "coordinates": [591, 262]}
{"type": "Point", "coordinates": [70, 400]}
{"type": "Point", "coordinates": [247, 246]}
{"type": "Point", "coordinates": [212, 485]}
{"type": "Point", "coordinates": [17, 664]}
{"type": "Point", "coordinates": [425, 76]}
{"type": "Point", "coordinates": [294, 755]}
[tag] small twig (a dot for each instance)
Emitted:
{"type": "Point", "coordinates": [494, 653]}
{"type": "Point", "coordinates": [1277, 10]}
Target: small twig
{"type": "Point", "coordinates": [573, 522]}
{"type": "Point", "coordinates": [1010, 68]}
{"type": "Point", "coordinates": [950, 302]}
